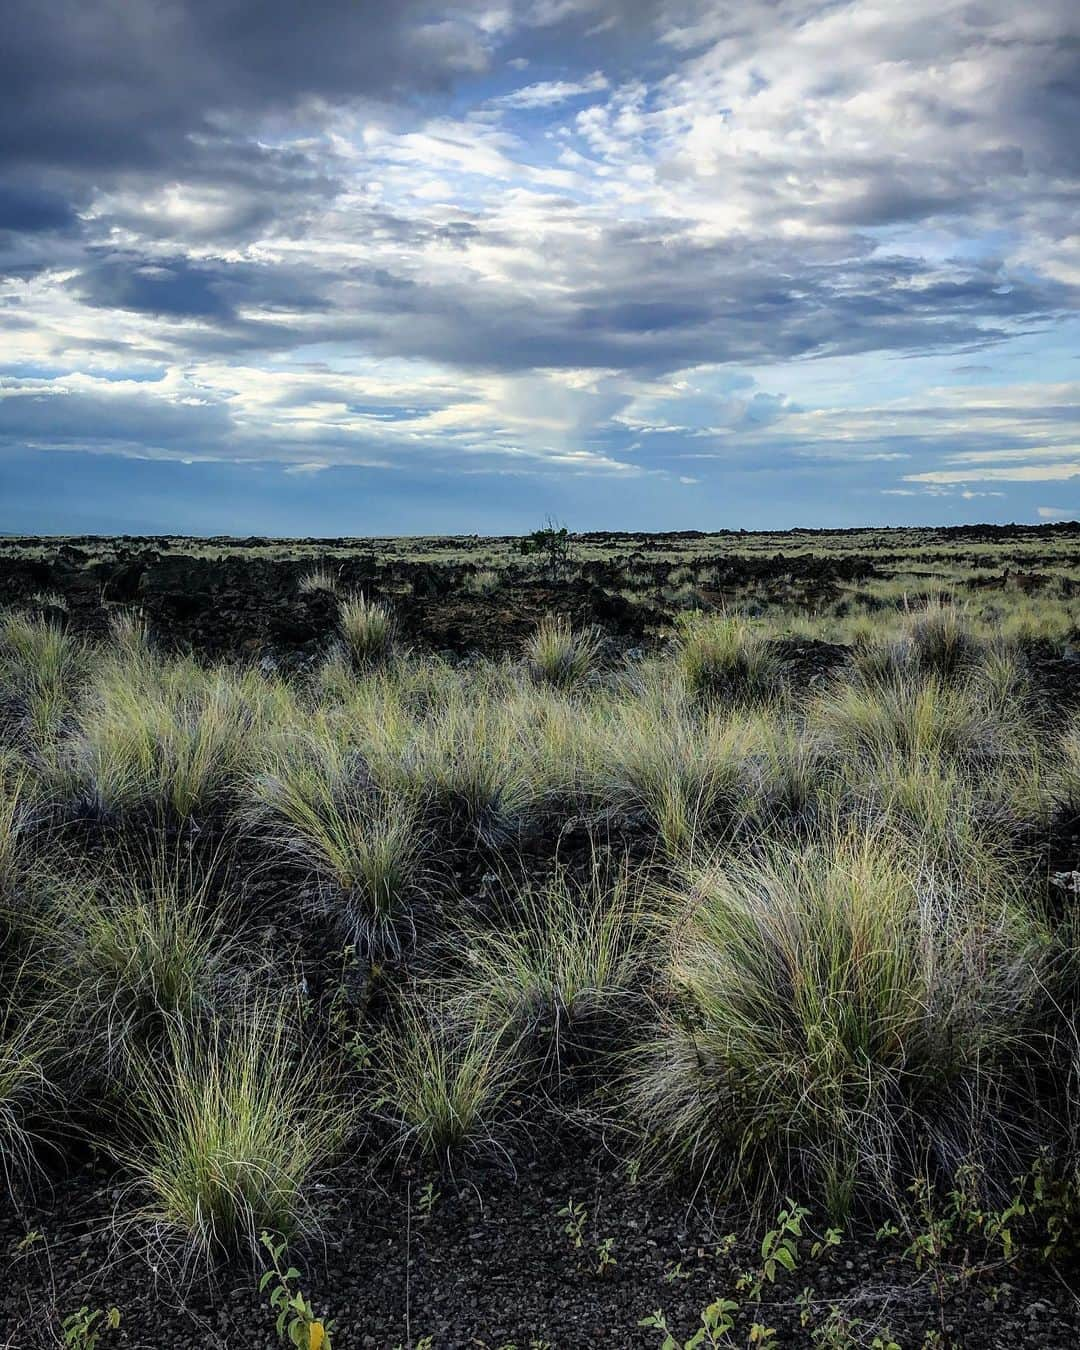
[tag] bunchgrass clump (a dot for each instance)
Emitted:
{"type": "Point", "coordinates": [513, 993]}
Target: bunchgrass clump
{"type": "Point", "coordinates": [485, 582]}
{"type": "Point", "coordinates": [366, 629]}
{"type": "Point", "coordinates": [132, 945]}
{"type": "Point", "coordinates": [941, 638]}
{"type": "Point", "coordinates": [560, 655]}
{"type": "Point", "coordinates": [20, 807]}
{"type": "Point", "coordinates": [29, 1040]}
{"type": "Point", "coordinates": [226, 1128]}
{"type": "Point", "coordinates": [683, 772]}
{"type": "Point", "coordinates": [916, 719]}
{"type": "Point", "coordinates": [561, 968]}
{"type": "Point", "coordinates": [41, 668]}
{"type": "Point", "coordinates": [318, 581]}
{"type": "Point", "coordinates": [465, 761]}
{"type": "Point", "coordinates": [725, 658]}
{"type": "Point", "coordinates": [441, 1083]}
{"type": "Point", "coordinates": [840, 1013]}
{"type": "Point", "coordinates": [316, 800]}
{"type": "Point", "coordinates": [168, 737]}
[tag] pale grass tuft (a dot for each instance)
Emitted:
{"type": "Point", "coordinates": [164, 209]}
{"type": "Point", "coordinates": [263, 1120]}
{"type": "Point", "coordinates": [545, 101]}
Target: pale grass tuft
{"type": "Point", "coordinates": [560, 655]}
{"type": "Point", "coordinates": [228, 1127]}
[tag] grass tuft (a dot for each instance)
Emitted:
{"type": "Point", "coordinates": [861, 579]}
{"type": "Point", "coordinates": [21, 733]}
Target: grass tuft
{"type": "Point", "coordinates": [724, 658]}
{"type": "Point", "coordinates": [442, 1084]}
{"type": "Point", "coordinates": [228, 1128]}
{"type": "Point", "coordinates": [367, 631]}
{"type": "Point", "coordinates": [317, 800]}
{"type": "Point", "coordinates": [839, 1012]}
{"type": "Point", "coordinates": [561, 970]}
{"type": "Point", "coordinates": [138, 943]}
{"type": "Point", "coordinates": [318, 581]}
{"type": "Point", "coordinates": [559, 655]}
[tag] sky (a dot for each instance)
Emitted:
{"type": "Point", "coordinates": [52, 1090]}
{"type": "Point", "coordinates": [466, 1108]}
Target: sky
{"type": "Point", "coordinates": [357, 267]}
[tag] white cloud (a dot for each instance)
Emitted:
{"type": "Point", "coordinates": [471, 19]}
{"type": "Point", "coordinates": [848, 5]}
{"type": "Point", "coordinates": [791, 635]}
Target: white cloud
{"type": "Point", "coordinates": [1053, 513]}
{"type": "Point", "coordinates": [1020, 473]}
{"type": "Point", "coordinates": [547, 93]}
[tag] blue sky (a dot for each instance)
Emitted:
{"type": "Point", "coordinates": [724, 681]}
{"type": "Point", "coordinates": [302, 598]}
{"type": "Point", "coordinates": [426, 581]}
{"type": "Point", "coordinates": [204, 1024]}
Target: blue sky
{"type": "Point", "coordinates": [359, 268]}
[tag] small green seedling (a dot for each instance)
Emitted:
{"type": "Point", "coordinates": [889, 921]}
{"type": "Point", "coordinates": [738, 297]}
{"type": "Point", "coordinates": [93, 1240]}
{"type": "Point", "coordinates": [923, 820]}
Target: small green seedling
{"type": "Point", "coordinates": [83, 1329]}
{"type": "Point", "coordinates": [429, 1198]}
{"type": "Point", "coordinates": [575, 1215]}
{"type": "Point", "coordinates": [296, 1321]}
{"type": "Point", "coordinates": [717, 1321]}
{"type": "Point", "coordinates": [605, 1261]}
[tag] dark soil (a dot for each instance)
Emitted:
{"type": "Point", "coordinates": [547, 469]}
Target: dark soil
{"type": "Point", "coordinates": [491, 1266]}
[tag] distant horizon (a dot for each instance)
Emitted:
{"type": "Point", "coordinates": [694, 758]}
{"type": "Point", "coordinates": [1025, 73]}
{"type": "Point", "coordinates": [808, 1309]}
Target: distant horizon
{"type": "Point", "coordinates": [432, 267]}
{"type": "Point", "coordinates": [1047, 525]}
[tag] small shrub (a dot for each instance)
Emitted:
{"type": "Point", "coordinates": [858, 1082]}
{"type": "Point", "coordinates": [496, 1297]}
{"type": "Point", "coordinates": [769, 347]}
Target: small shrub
{"type": "Point", "coordinates": [296, 1321]}
{"type": "Point", "coordinates": [554, 545]}
{"type": "Point", "coordinates": [558, 655]}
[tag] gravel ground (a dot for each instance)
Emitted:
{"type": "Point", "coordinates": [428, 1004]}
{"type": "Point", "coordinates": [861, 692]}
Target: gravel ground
{"type": "Point", "coordinates": [490, 1265]}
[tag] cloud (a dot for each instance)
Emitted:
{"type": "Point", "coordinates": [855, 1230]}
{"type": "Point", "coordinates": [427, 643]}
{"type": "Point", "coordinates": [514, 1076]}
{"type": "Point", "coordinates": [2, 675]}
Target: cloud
{"type": "Point", "coordinates": [547, 93]}
{"type": "Point", "coordinates": [1053, 513]}
{"type": "Point", "coordinates": [1020, 473]}
{"type": "Point", "coordinates": [358, 236]}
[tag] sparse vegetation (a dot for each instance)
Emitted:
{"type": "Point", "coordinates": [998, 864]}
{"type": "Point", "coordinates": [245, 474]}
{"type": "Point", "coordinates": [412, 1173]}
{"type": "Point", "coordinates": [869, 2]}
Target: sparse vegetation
{"type": "Point", "coordinates": [773, 900]}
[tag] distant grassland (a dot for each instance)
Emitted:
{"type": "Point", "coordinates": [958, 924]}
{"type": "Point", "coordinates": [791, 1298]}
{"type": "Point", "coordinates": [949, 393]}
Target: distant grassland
{"type": "Point", "coordinates": [1025, 579]}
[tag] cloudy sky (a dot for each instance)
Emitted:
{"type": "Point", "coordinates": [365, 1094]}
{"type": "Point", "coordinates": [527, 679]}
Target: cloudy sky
{"type": "Point", "coordinates": [352, 266]}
